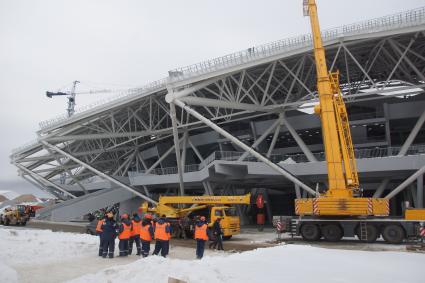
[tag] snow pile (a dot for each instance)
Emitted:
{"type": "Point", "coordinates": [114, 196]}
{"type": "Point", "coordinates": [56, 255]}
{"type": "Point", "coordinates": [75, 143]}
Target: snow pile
{"type": "Point", "coordinates": [290, 263]}
{"type": "Point", "coordinates": [7, 274]}
{"type": "Point", "coordinates": [45, 256]}
{"type": "Point", "coordinates": [23, 246]}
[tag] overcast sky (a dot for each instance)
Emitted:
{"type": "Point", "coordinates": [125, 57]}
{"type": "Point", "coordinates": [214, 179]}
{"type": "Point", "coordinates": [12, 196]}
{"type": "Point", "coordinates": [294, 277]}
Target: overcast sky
{"type": "Point", "coordinates": [46, 45]}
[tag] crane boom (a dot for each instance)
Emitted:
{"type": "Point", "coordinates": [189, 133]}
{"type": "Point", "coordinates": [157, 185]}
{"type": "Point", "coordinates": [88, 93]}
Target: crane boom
{"type": "Point", "coordinates": [342, 171]}
{"type": "Point", "coordinates": [245, 199]}
{"type": "Point", "coordinates": [340, 198]}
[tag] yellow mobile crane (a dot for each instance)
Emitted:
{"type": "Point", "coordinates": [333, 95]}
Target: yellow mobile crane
{"type": "Point", "coordinates": [212, 207]}
{"type": "Point", "coordinates": [341, 210]}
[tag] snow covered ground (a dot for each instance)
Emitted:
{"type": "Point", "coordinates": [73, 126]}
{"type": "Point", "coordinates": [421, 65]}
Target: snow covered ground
{"type": "Point", "coordinates": [30, 255]}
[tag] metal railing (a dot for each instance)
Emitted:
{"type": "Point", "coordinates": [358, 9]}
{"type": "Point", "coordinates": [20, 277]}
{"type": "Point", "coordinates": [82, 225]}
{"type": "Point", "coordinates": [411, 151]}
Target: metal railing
{"type": "Point", "coordinates": [121, 96]}
{"type": "Point", "coordinates": [400, 20]}
{"type": "Point", "coordinates": [404, 19]}
{"type": "Point", "coordinates": [377, 152]}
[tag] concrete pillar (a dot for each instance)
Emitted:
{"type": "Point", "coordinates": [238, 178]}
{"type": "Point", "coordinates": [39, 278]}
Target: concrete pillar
{"type": "Point", "coordinates": [420, 192]}
{"type": "Point", "coordinates": [297, 191]}
{"type": "Point", "coordinates": [387, 124]}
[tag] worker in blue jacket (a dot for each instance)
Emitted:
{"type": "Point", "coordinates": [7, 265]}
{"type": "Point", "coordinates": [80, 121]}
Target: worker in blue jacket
{"type": "Point", "coordinates": [109, 233]}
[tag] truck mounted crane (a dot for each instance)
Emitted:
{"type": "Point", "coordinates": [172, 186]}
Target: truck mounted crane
{"type": "Point", "coordinates": [212, 207]}
{"type": "Point", "coordinates": [342, 210]}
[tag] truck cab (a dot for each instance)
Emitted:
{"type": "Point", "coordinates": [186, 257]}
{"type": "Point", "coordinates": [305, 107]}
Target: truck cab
{"type": "Point", "coordinates": [230, 222]}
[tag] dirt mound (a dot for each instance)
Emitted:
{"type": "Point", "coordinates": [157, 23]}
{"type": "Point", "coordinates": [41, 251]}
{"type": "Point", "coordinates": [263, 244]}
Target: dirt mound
{"type": "Point", "coordinates": [25, 198]}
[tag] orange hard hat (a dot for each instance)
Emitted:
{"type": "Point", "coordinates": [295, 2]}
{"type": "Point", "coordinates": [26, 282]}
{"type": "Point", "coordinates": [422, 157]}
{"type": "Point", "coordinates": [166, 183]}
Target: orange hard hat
{"type": "Point", "coordinates": [148, 216]}
{"type": "Point", "coordinates": [124, 216]}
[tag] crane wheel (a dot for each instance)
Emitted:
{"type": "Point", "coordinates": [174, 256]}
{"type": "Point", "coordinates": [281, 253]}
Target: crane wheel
{"type": "Point", "coordinates": [310, 232]}
{"type": "Point", "coordinates": [393, 234]}
{"type": "Point", "coordinates": [372, 233]}
{"type": "Point", "coordinates": [332, 232]}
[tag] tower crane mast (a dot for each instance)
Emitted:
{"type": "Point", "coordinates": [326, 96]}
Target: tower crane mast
{"type": "Point", "coordinates": [71, 98]}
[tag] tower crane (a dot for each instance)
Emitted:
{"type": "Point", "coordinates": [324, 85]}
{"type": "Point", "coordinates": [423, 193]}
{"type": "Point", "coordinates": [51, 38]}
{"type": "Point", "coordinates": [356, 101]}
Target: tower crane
{"type": "Point", "coordinates": [72, 95]}
{"type": "Point", "coordinates": [71, 98]}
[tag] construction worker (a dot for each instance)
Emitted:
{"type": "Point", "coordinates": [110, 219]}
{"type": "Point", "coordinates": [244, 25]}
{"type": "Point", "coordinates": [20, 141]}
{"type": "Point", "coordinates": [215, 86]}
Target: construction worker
{"type": "Point", "coordinates": [109, 233]}
{"type": "Point", "coordinates": [201, 236]}
{"type": "Point", "coordinates": [146, 234]}
{"type": "Point", "coordinates": [162, 234]}
{"type": "Point", "coordinates": [135, 234]}
{"type": "Point", "coordinates": [217, 235]}
{"type": "Point", "coordinates": [99, 224]}
{"type": "Point", "coordinates": [168, 231]}
{"type": "Point", "coordinates": [124, 234]}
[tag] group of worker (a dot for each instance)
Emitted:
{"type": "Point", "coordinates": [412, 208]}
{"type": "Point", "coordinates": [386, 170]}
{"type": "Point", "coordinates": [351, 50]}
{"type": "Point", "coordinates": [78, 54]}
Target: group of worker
{"type": "Point", "coordinates": [142, 232]}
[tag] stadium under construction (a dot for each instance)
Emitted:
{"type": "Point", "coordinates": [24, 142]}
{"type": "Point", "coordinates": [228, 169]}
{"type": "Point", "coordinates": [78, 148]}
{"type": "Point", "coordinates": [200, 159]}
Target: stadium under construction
{"type": "Point", "coordinates": [244, 123]}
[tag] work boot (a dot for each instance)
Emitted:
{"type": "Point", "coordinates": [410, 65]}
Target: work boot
{"type": "Point", "coordinates": [111, 255]}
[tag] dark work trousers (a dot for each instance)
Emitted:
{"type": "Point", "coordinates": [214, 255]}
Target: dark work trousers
{"type": "Point", "coordinates": [123, 246]}
{"type": "Point", "coordinates": [218, 240]}
{"type": "Point", "coordinates": [161, 246]}
{"type": "Point", "coordinates": [200, 247]}
{"type": "Point", "coordinates": [100, 244]}
{"type": "Point", "coordinates": [134, 239]}
{"type": "Point", "coordinates": [108, 247]}
{"type": "Point", "coordinates": [146, 246]}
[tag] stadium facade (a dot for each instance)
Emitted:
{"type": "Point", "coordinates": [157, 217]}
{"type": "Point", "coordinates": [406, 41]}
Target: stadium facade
{"type": "Point", "coordinates": [244, 123]}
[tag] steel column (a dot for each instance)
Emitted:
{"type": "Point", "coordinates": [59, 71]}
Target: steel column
{"type": "Point", "coordinates": [261, 138]}
{"type": "Point", "coordinates": [412, 135]}
{"type": "Point", "coordinates": [406, 183]}
{"type": "Point", "coordinates": [177, 146]}
{"type": "Point", "coordinates": [240, 144]}
{"type": "Point", "coordinates": [299, 141]}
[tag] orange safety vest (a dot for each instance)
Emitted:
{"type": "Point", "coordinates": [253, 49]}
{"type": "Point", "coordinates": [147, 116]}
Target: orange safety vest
{"type": "Point", "coordinates": [201, 232]}
{"type": "Point", "coordinates": [144, 233]}
{"type": "Point", "coordinates": [136, 228]}
{"type": "Point", "coordinates": [160, 233]}
{"type": "Point", "coordinates": [99, 225]}
{"type": "Point", "coordinates": [125, 234]}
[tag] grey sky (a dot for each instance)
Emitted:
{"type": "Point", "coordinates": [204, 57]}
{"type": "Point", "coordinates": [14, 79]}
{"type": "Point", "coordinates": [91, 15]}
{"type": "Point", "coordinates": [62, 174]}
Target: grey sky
{"type": "Point", "coordinates": [48, 44]}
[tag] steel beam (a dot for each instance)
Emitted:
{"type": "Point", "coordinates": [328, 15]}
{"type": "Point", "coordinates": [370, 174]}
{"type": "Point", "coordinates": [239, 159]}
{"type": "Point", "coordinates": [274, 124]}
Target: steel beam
{"type": "Point", "coordinates": [406, 183]}
{"type": "Point", "coordinates": [177, 147]}
{"type": "Point", "coordinates": [99, 173]}
{"type": "Point", "coordinates": [37, 176]}
{"type": "Point", "coordinates": [412, 135]}
{"type": "Point", "coordinates": [39, 185]}
{"type": "Point", "coordinates": [261, 138]}
{"type": "Point", "coordinates": [299, 141]}
{"type": "Point", "coordinates": [240, 144]}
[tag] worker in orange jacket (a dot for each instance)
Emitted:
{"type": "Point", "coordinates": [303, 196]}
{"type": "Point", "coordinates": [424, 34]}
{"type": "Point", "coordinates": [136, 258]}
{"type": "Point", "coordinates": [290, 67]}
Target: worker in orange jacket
{"type": "Point", "coordinates": [135, 234]}
{"type": "Point", "coordinates": [146, 234]}
{"type": "Point", "coordinates": [201, 236]}
{"type": "Point", "coordinates": [99, 233]}
{"type": "Point", "coordinates": [162, 232]}
{"type": "Point", "coordinates": [124, 234]}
